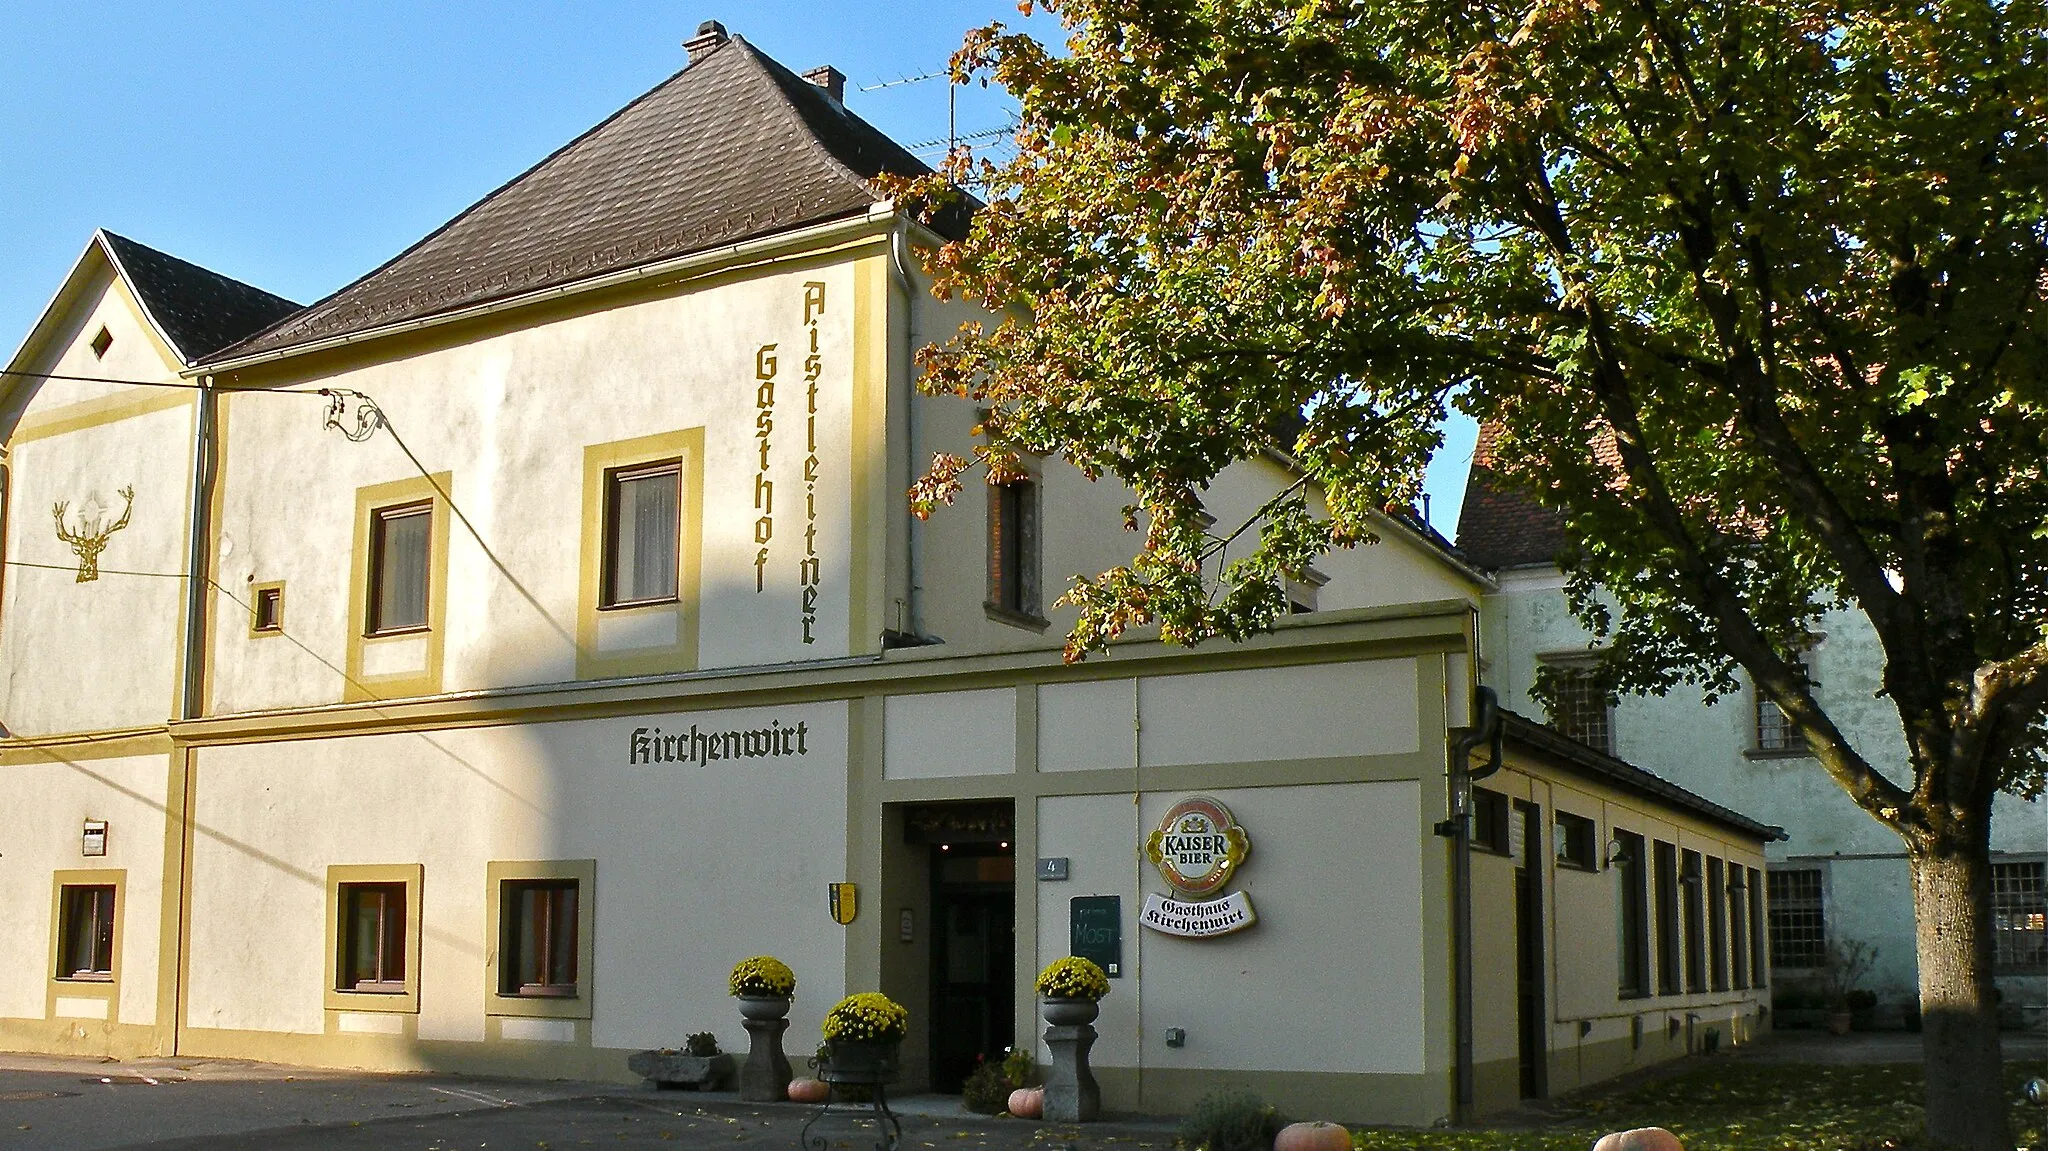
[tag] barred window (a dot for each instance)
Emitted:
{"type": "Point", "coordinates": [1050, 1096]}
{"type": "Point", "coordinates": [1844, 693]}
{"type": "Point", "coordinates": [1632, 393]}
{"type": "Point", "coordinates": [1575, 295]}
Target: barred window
{"type": "Point", "coordinates": [2019, 916]}
{"type": "Point", "coordinates": [1798, 918]}
{"type": "Point", "coordinates": [1581, 706]}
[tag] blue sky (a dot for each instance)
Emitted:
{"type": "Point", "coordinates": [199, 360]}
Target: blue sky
{"type": "Point", "coordinates": [296, 146]}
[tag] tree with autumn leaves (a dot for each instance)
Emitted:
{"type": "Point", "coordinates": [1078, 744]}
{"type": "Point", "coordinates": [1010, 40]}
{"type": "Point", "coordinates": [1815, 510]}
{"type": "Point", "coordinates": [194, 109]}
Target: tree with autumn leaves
{"type": "Point", "coordinates": [1751, 291]}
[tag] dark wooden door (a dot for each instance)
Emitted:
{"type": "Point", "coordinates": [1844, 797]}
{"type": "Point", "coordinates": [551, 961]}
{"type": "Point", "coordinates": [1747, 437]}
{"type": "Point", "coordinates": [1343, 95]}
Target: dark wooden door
{"type": "Point", "coordinates": [974, 950]}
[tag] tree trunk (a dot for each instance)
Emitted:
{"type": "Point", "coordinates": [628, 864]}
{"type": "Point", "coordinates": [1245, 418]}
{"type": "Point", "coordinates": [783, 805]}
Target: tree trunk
{"type": "Point", "coordinates": [1966, 1105]}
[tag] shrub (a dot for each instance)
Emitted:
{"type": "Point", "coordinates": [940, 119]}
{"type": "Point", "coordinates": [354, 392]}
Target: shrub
{"type": "Point", "coordinates": [986, 1091]}
{"type": "Point", "coordinates": [701, 1044]}
{"type": "Point", "coordinates": [762, 977]}
{"type": "Point", "coordinates": [1072, 978]}
{"type": "Point", "coordinates": [1229, 1121]}
{"type": "Point", "coordinates": [1020, 1068]}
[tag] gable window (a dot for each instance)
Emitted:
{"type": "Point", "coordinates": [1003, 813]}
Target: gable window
{"type": "Point", "coordinates": [1632, 926]}
{"type": "Point", "coordinates": [400, 558]}
{"type": "Point", "coordinates": [100, 344]}
{"type": "Point", "coordinates": [2019, 917]}
{"type": "Point", "coordinates": [1013, 550]}
{"type": "Point", "coordinates": [1581, 706]}
{"type": "Point", "coordinates": [373, 938]}
{"type": "Point", "coordinates": [86, 932]}
{"type": "Point", "coordinates": [1797, 919]}
{"type": "Point", "coordinates": [642, 533]}
{"type": "Point", "coordinates": [538, 948]}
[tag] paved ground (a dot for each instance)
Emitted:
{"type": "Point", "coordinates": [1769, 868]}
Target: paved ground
{"type": "Point", "coordinates": [50, 1104]}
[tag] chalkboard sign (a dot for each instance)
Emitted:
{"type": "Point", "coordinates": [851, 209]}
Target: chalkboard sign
{"type": "Point", "coordinates": [1098, 931]}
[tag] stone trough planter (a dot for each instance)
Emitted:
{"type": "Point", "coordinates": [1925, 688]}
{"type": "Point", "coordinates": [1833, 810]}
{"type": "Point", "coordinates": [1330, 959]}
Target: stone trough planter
{"type": "Point", "coordinates": [667, 1068]}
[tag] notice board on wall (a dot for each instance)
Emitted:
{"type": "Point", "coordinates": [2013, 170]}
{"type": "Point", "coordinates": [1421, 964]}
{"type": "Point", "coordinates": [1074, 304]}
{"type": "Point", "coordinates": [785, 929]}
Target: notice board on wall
{"type": "Point", "coordinates": [1097, 931]}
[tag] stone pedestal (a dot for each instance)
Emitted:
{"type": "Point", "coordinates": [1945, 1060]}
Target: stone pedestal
{"type": "Point", "coordinates": [1071, 1095]}
{"type": "Point", "coordinates": [765, 1077]}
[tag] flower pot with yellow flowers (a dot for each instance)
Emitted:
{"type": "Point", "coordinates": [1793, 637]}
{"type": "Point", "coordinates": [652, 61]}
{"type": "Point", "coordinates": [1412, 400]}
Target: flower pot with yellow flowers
{"type": "Point", "coordinates": [1070, 991]}
{"type": "Point", "coordinates": [863, 1033]}
{"type": "Point", "coordinates": [764, 985]}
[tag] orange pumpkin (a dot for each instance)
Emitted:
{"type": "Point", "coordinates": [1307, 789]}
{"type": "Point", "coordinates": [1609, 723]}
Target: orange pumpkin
{"type": "Point", "coordinates": [1317, 1136]}
{"type": "Point", "coordinates": [1640, 1139]}
{"type": "Point", "coordinates": [1028, 1102]}
{"type": "Point", "coordinates": [809, 1090]}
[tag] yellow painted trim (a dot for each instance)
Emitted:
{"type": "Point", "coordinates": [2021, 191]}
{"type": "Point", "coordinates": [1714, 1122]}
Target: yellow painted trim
{"type": "Point", "coordinates": [256, 591]}
{"type": "Point", "coordinates": [99, 412]}
{"type": "Point", "coordinates": [107, 989]}
{"type": "Point", "coordinates": [495, 1055]}
{"type": "Point", "coordinates": [499, 872]}
{"type": "Point", "coordinates": [79, 1037]}
{"type": "Point", "coordinates": [72, 747]}
{"type": "Point", "coordinates": [686, 445]}
{"type": "Point", "coordinates": [408, 1001]}
{"type": "Point", "coordinates": [869, 460]}
{"type": "Point", "coordinates": [419, 489]}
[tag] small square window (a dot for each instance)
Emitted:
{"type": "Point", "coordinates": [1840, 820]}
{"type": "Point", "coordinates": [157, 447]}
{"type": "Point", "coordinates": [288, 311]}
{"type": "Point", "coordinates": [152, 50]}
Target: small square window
{"type": "Point", "coordinates": [401, 539]}
{"type": "Point", "coordinates": [101, 343]}
{"type": "Point", "coordinates": [86, 932]}
{"type": "Point", "coordinates": [537, 956]}
{"type": "Point", "coordinates": [373, 942]}
{"type": "Point", "coordinates": [1576, 846]}
{"type": "Point", "coordinates": [642, 532]}
{"type": "Point", "coordinates": [1490, 821]}
{"type": "Point", "coordinates": [266, 610]}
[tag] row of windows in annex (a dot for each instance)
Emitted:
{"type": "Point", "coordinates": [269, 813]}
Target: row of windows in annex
{"type": "Point", "coordinates": [1592, 883]}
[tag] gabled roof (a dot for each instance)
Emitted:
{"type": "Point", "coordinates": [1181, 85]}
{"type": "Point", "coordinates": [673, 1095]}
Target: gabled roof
{"type": "Point", "coordinates": [1499, 527]}
{"type": "Point", "coordinates": [733, 147]}
{"type": "Point", "coordinates": [197, 311]}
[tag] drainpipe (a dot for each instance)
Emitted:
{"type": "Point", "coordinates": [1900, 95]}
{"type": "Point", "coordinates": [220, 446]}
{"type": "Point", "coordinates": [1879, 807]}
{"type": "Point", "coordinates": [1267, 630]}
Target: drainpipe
{"type": "Point", "coordinates": [1458, 829]}
{"type": "Point", "coordinates": [913, 538]}
{"type": "Point", "coordinates": [191, 696]}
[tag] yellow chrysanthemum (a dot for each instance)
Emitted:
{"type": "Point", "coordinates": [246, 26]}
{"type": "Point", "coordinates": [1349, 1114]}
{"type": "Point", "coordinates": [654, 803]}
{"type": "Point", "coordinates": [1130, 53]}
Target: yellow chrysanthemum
{"type": "Point", "coordinates": [763, 976]}
{"type": "Point", "coordinates": [1072, 978]}
{"type": "Point", "coordinates": [867, 1015]}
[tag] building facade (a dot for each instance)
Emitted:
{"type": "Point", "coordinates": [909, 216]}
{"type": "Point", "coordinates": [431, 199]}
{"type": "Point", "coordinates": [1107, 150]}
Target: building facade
{"type": "Point", "coordinates": [561, 636]}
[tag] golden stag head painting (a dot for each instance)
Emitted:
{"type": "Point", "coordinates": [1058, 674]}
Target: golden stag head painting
{"type": "Point", "coordinates": [91, 537]}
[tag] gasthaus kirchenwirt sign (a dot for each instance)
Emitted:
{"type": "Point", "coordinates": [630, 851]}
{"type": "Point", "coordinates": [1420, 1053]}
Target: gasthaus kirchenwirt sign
{"type": "Point", "coordinates": [1198, 849]}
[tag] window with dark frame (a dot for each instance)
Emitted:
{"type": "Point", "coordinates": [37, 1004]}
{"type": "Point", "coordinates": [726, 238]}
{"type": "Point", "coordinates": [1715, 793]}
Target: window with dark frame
{"type": "Point", "coordinates": [1581, 706]}
{"type": "Point", "coordinates": [100, 344]}
{"type": "Point", "coordinates": [1759, 935]}
{"type": "Point", "coordinates": [1738, 926]}
{"type": "Point", "coordinates": [1669, 974]}
{"type": "Point", "coordinates": [1690, 880]}
{"type": "Point", "coordinates": [1772, 732]}
{"type": "Point", "coordinates": [1577, 842]}
{"type": "Point", "coordinates": [1013, 548]}
{"type": "Point", "coordinates": [1632, 922]}
{"type": "Point", "coordinates": [2019, 917]}
{"type": "Point", "coordinates": [642, 534]}
{"type": "Point", "coordinates": [1490, 821]}
{"type": "Point", "coordinates": [1717, 924]}
{"type": "Point", "coordinates": [401, 541]}
{"type": "Point", "coordinates": [1797, 920]}
{"type": "Point", "coordinates": [538, 950]}
{"type": "Point", "coordinates": [86, 932]}
{"type": "Point", "coordinates": [268, 610]}
{"type": "Point", "coordinates": [373, 917]}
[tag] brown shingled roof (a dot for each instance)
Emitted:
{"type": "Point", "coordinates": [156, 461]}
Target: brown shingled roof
{"type": "Point", "coordinates": [1498, 526]}
{"type": "Point", "coordinates": [198, 311]}
{"type": "Point", "coordinates": [733, 147]}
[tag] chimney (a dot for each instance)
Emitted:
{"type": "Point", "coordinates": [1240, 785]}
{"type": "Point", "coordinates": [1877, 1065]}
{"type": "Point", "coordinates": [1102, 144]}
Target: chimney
{"type": "Point", "coordinates": [831, 79]}
{"type": "Point", "coordinates": [710, 34]}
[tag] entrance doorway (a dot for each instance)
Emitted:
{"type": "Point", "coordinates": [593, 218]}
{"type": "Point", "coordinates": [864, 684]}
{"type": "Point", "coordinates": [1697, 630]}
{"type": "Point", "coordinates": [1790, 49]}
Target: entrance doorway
{"type": "Point", "coordinates": [973, 938]}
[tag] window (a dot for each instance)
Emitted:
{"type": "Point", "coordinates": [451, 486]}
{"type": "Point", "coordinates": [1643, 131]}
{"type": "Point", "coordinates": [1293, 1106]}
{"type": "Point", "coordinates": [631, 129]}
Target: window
{"type": "Point", "coordinates": [401, 539]}
{"type": "Point", "coordinates": [1580, 704]}
{"type": "Point", "coordinates": [1738, 926]}
{"type": "Point", "coordinates": [2019, 917]}
{"type": "Point", "coordinates": [1759, 937]}
{"type": "Point", "coordinates": [373, 935]}
{"type": "Point", "coordinates": [1575, 842]}
{"type": "Point", "coordinates": [1301, 593]}
{"type": "Point", "coordinates": [1717, 924]}
{"type": "Point", "coordinates": [100, 344]}
{"type": "Point", "coordinates": [1490, 821]}
{"type": "Point", "coordinates": [1695, 926]}
{"type": "Point", "coordinates": [1773, 733]}
{"type": "Point", "coordinates": [1634, 911]}
{"type": "Point", "coordinates": [86, 932]}
{"type": "Point", "coordinates": [1013, 549]}
{"type": "Point", "coordinates": [642, 534]}
{"type": "Point", "coordinates": [266, 609]}
{"type": "Point", "coordinates": [538, 938]}
{"type": "Point", "coordinates": [1798, 920]}
{"type": "Point", "coordinates": [1668, 974]}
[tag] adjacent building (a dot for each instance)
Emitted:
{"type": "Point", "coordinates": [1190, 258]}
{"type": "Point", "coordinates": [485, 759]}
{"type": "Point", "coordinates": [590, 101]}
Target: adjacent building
{"type": "Point", "coordinates": [558, 635]}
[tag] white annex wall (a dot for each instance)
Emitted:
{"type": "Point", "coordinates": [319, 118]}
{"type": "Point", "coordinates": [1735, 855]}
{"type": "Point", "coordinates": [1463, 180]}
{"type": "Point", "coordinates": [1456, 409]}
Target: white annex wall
{"type": "Point", "coordinates": [42, 833]}
{"type": "Point", "coordinates": [1337, 883]}
{"type": "Point", "coordinates": [699, 864]}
